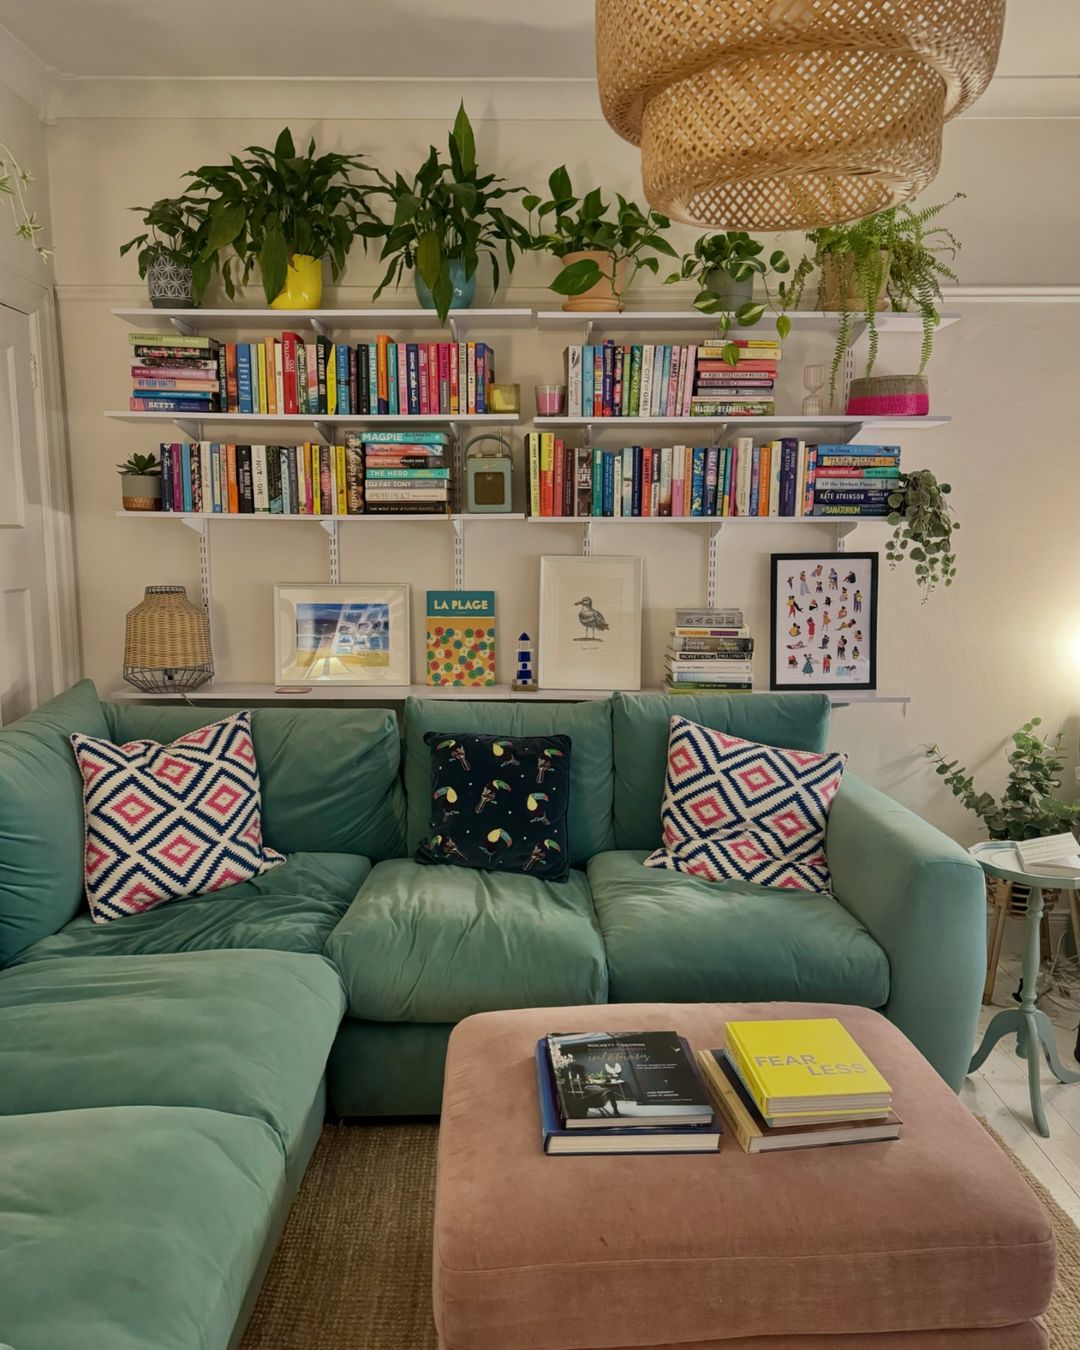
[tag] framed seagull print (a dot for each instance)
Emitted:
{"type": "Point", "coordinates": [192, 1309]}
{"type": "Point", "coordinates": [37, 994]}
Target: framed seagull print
{"type": "Point", "coordinates": [590, 623]}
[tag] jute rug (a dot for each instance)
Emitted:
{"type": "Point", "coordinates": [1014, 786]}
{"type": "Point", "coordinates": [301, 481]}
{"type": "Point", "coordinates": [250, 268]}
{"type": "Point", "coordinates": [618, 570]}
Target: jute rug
{"type": "Point", "coordinates": [353, 1271]}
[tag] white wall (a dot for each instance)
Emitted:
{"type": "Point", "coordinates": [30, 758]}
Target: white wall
{"type": "Point", "coordinates": [977, 660]}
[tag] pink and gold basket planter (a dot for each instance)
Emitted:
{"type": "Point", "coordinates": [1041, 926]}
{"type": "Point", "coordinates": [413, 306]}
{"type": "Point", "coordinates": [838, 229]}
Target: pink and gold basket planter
{"type": "Point", "coordinates": [889, 396]}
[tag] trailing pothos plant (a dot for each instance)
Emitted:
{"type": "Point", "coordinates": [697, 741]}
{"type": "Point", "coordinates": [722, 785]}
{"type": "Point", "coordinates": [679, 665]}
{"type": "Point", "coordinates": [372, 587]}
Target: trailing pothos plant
{"type": "Point", "coordinates": [565, 223]}
{"type": "Point", "coordinates": [924, 525]}
{"type": "Point", "coordinates": [273, 205]}
{"type": "Point", "coordinates": [14, 180]}
{"type": "Point", "coordinates": [177, 228]}
{"type": "Point", "coordinates": [898, 252]}
{"type": "Point", "coordinates": [1029, 807]}
{"type": "Point", "coordinates": [737, 255]}
{"type": "Point", "coordinates": [449, 212]}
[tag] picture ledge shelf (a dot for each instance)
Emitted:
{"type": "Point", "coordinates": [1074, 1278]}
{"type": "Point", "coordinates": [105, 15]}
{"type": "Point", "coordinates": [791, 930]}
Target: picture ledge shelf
{"type": "Point", "coordinates": [395, 693]}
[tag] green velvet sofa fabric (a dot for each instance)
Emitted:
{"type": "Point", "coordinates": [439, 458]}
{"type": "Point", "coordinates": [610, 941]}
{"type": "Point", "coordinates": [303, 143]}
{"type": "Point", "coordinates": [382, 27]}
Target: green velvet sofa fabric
{"type": "Point", "coordinates": [923, 899]}
{"type": "Point", "coordinates": [41, 818]}
{"type": "Point", "coordinates": [353, 754]}
{"type": "Point", "coordinates": [242, 1032]}
{"type": "Point", "coordinates": [434, 943]}
{"type": "Point", "coordinates": [132, 1227]}
{"type": "Point", "coordinates": [640, 724]}
{"type": "Point", "coordinates": [672, 938]}
{"type": "Point", "coordinates": [387, 1068]}
{"type": "Point", "coordinates": [591, 769]}
{"type": "Point", "coordinates": [292, 908]}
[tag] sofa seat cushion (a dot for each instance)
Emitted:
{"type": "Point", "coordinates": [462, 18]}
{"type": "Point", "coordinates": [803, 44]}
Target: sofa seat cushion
{"type": "Point", "coordinates": [239, 1031]}
{"type": "Point", "coordinates": [292, 908]}
{"type": "Point", "coordinates": [131, 1227]}
{"type": "Point", "coordinates": [675, 937]}
{"type": "Point", "coordinates": [434, 944]}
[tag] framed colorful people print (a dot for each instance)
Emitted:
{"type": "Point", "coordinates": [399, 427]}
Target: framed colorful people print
{"type": "Point", "coordinates": [823, 630]}
{"type": "Point", "coordinates": [590, 623]}
{"type": "Point", "coordinates": [342, 634]}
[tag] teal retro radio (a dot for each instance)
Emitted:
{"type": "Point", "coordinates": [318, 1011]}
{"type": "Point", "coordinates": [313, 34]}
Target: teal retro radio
{"type": "Point", "coordinates": [489, 474]}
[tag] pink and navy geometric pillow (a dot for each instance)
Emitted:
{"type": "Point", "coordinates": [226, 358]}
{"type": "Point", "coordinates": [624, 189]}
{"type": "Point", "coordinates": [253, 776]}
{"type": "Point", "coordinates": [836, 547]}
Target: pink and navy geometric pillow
{"type": "Point", "coordinates": [168, 821]}
{"type": "Point", "coordinates": [735, 810]}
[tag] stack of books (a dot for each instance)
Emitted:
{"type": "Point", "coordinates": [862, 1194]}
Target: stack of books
{"type": "Point", "coordinates": [797, 1083]}
{"type": "Point", "coordinates": [665, 380]}
{"type": "Point", "coordinates": [711, 651]}
{"type": "Point", "coordinates": [405, 473]}
{"type": "Point", "coordinates": [854, 480]}
{"type": "Point", "coordinates": [290, 480]}
{"type": "Point", "coordinates": [629, 1092]}
{"type": "Point", "coordinates": [173, 373]}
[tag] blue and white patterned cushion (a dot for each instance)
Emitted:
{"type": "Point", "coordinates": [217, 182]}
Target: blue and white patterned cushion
{"type": "Point", "coordinates": [168, 821]}
{"type": "Point", "coordinates": [735, 810]}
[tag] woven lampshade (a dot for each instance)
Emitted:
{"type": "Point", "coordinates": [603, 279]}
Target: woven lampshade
{"type": "Point", "coordinates": [788, 114]}
{"type": "Point", "coordinates": [167, 642]}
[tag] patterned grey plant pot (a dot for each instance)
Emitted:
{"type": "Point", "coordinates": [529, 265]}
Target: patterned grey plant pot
{"type": "Point", "coordinates": [169, 285]}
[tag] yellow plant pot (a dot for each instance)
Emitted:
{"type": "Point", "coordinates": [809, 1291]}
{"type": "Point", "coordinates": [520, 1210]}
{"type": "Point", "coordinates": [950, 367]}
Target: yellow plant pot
{"type": "Point", "coordinates": [303, 284]}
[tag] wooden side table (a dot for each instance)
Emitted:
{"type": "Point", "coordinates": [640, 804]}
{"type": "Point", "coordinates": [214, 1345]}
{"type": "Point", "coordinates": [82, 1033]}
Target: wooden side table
{"type": "Point", "coordinates": [1033, 1028]}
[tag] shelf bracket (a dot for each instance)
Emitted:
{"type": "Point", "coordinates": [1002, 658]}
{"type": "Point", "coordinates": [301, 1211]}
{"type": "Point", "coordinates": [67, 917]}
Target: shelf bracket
{"type": "Point", "coordinates": [331, 528]}
{"type": "Point", "coordinates": [713, 571]}
{"type": "Point", "coordinates": [319, 327]}
{"type": "Point", "coordinates": [192, 430]}
{"type": "Point", "coordinates": [325, 430]}
{"type": "Point", "coordinates": [206, 576]}
{"type": "Point", "coordinates": [586, 539]}
{"type": "Point", "coordinates": [196, 523]}
{"type": "Point", "coordinates": [842, 532]}
{"type": "Point", "coordinates": [459, 553]}
{"type": "Point", "coordinates": [182, 326]}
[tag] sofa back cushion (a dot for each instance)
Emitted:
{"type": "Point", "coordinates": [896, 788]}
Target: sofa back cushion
{"type": "Point", "coordinates": [589, 825]}
{"type": "Point", "coordinates": [330, 777]}
{"type": "Point", "coordinates": [41, 818]}
{"type": "Point", "coordinates": [640, 725]}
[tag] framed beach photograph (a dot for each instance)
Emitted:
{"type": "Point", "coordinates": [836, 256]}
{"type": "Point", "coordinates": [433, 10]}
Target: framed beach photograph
{"type": "Point", "coordinates": [342, 634]}
{"type": "Point", "coordinates": [590, 623]}
{"type": "Point", "coordinates": [823, 630]}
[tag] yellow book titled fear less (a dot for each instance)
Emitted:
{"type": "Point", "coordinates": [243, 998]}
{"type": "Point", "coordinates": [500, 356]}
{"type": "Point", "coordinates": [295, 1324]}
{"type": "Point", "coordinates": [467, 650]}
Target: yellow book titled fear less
{"type": "Point", "coordinates": [805, 1065]}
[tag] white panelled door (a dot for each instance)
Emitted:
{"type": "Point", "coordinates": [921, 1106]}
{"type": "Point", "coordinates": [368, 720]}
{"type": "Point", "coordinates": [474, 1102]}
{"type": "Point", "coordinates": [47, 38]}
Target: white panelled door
{"type": "Point", "coordinates": [26, 668]}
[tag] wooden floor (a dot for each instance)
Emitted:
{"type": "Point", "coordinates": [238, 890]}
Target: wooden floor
{"type": "Point", "coordinates": [998, 1092]}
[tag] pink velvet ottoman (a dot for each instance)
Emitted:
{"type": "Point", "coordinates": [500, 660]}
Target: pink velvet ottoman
{"type": "Point", "coordinates": [933, 1242]}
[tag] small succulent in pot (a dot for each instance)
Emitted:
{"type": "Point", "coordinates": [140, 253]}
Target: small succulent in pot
{"type": "Point", "coordinates": [140, 482]}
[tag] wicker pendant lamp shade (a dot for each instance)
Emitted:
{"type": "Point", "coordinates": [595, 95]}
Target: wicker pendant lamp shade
{"type": "Point", "coordinates": [167, 642]}
{"type": "Point", "coordinates": [788, 114]}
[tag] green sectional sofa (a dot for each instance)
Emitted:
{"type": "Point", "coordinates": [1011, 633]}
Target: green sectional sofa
{"type": "Point", "coordinates": [163, 1078]}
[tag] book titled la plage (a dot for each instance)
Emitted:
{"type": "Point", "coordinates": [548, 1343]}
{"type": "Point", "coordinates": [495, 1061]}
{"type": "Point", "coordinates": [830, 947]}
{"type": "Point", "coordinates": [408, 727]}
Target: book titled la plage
{"type": "Point", "coordinates": [626, 1079]}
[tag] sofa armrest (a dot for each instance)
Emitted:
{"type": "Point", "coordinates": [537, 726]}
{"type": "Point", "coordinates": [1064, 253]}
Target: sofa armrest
{"type": "Point", "coordinates": [923, 899]}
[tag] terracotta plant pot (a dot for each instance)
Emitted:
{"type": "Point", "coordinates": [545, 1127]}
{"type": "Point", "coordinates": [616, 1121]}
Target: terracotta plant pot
{"type": "Point", "coordinates": [140, 491]}
{"type": "Point", "coordinates": [303, 284]}
{"type": "Point", "coordinates": [601, 298]}
{"type": "Point", "coordinates": [838, 281]}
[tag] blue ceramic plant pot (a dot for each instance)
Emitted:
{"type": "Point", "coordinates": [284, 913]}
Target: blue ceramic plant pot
{"type": "Point", "coordinates": [464, 290]}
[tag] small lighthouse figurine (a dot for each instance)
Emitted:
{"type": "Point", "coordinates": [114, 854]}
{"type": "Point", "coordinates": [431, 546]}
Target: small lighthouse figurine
{"type": "Point", "coordinates": [524, 679]}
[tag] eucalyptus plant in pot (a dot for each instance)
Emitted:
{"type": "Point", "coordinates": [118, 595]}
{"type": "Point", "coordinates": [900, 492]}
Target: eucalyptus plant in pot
{"type": "Point", "coordinates": [725, 267]}
{"type": "Point", "coordinates": [285, 213]}
{"type": "Point", "coordinates": [444, 220]}
{"type": "Point", "coordinates": [171, 251]}
{"type": "Point", "coordinates": [140, 483]}
{"type": "Point", "coordinates": [601, 253]}
{"type": "Point", "coordinates": [923, 526]}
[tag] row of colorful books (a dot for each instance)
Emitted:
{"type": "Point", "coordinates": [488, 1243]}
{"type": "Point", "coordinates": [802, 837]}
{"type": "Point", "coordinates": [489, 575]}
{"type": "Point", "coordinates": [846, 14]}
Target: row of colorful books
{"type": "Point", "coordinates": [775, 1084]}
{"type": "Point", "coordinates": [778, 478]}
{"type": "Point", "coordinates": [710, 651]}
{"type": "Point", "coordinates": [285, 375]}
{"type": "Point", "coordinates": [383, 473]}
{"type": "Point", "coordinates": [713, 379]}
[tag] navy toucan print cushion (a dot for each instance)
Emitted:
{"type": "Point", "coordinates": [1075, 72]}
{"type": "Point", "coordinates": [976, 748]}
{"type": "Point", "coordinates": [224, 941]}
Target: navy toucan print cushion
{"type": "Point", "coordinates": [499, 803]}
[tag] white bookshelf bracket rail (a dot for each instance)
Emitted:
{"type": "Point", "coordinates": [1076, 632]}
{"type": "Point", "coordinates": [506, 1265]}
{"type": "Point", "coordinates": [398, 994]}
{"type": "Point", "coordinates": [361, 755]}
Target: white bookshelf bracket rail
{"type": "Point", "coordinates": [712, 576]}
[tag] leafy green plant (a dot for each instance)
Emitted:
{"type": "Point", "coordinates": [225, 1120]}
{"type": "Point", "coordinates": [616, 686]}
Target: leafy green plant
{"type": "Point", "coordinates": [140, 465]}
{"type": "Point", "coordinates": [1028, 807]}
{"type": "Point", "coordinates": [14, 180]}
{"type": "Point", "coordinates": [448, 212]}
{"type": "Point", "coordinates": [897, 251]}
{"type": "Point", "coordinates": [737, 256]}
{"type": "Point", "coordinates": [177, 228]}
{"type": "Point", "coordinates": [924, 525]}
{"type": "Point", "coordinates": [274, 204]}
{"type": "Point", "coordinates": [566, 223]}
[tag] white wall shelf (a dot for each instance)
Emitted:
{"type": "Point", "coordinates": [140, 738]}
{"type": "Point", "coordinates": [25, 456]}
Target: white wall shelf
{"type": "Point", "coordinates": [829, 521]}
{"type": "Point", "coordinates": [396, 693]}
{"type": "Point", "coordinates": [188, 517]}
{"type": "Point", "coordinates": [796, 421]}
{"type": "Point", "coordinates": [692, 320]}
{"type": "Point", "coordinates": [324, 321]}
{"type": "Point", "coordinates": [390, 420]}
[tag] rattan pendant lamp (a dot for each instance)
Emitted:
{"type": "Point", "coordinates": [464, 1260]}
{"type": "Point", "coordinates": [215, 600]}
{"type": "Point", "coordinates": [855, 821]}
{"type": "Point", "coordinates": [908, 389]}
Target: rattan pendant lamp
{"type": "Point", "coordinates": [788, 114]}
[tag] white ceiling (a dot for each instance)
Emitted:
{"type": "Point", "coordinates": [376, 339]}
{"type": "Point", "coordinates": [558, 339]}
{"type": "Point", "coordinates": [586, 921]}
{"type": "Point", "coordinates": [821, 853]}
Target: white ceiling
{"type": "Point", "coordinates": [429, 39]}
